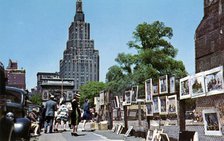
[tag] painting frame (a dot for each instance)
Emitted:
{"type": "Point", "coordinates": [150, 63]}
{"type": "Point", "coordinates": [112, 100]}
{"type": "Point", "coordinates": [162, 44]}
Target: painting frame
{"type": "Point", "coordinates": [155, 104]}
{"type": "Point", "coordinates": [151, 135]}
{"type": "Point", "coordinates": [185, 88]}
{"type": "Point", "coordinates": [148, 90]}
{"type": "Point", "coordinates": [163, 105]}
{"type": "Point", "coordinates": [128, 131]}
{"type": "Point", "coordinates": [172, 104]}
{"type": "Point", "coordinates": [134, 94]}
{"type": "Point", "coordinates": [215, 74]}
{"type": "Point", "coordinates": [212, 124]}
{"type": "Point", "coordinates": [172, 84]}
{"type": "Point", "coordinates": [45, 95]}
{"type": "Point", "coordinates": [163, 84]}
{"type": "Point", "coordinates": [102, 98]}
{"type": "Point", "coordinates": [149, 109]}
{"type": "Point", "coordinates": [127, 97]}
{"type": "Point", "coordinates": [197, 85]}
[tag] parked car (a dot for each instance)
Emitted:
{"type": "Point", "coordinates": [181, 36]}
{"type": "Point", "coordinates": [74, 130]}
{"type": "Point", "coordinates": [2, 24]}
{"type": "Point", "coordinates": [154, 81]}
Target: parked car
{"type": "Point", "coordinates": [13, 122]}
{"type": "Point", "coordinates": [6, 119]}
{"type": "Point", "coordinates": [16, 103]}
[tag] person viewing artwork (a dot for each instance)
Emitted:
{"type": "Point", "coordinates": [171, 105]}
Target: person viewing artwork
{"type": "Point", "coordinates": [75, 114]}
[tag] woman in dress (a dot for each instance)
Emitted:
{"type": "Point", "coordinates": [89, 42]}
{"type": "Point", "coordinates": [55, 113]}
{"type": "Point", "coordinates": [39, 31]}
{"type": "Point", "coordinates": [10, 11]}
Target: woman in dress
{"type": "Point", "coordinates": [75, 115]}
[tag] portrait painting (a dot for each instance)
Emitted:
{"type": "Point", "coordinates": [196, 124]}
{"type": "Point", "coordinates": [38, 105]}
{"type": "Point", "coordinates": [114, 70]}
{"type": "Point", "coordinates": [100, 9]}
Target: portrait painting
{"type": "Point", "coordinates": [185, 88]}
{"type": "Point", "coordinates": [163, 105]}
{"type": "Point", "coordinates": [149, 109]}
{"type": "Point", "coordinates": [156, 104]}
{"type": "Point", "coordinates": [214, 81]}
{"type": "Point", "coordinates": [45, 95]}
{"type": "Point", "coordinates": [163, 84]}
{"type": "Point", "coordinates": [212, 125]}
{"type": "Point", "coordinates": [134, 94]}
{"type": "Point", "coordinates": [172, 104]}
{"type": "Point", "coordinates": [197, 85]}
{"type": "Point", "coordinates": [148, 90]}
{"type": "Point", "coordinates": [172, 84]}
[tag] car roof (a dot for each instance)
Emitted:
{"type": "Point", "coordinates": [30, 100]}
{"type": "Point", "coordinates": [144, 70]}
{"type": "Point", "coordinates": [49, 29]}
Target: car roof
{"type": "Point", "coordinates": [15, 89]}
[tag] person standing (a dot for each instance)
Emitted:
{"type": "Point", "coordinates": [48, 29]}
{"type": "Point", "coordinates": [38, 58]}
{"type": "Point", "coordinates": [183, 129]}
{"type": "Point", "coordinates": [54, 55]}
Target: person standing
{"type": "Point", "coordinates": [86, 115]}
{"type": "Point", "coordinates": [75, 115]}
{"type": "Point", "coordinates": [51, 107]}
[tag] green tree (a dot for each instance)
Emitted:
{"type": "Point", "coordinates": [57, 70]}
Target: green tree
{"type": "Point", "coordinates": [155, 57]}
{"type": "Point", "coordinates": [91, 90]}
{"type": "Point", "coordinates": [36, 99]}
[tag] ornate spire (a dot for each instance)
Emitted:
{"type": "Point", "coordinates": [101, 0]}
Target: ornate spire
{"type": "Point", "coordinates": [79, 15]}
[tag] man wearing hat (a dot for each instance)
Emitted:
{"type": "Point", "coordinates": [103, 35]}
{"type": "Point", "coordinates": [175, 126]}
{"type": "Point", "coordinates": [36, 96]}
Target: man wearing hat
{"type": "Point", "coordinates": [51, 107]}
{"type": "Point", "coordinates": [75, 115]}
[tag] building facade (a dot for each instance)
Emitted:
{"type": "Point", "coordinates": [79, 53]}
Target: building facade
{"type": "Point", "coordinates": [80, 60]}
{"type": "Point", "coordinates": [51, 84]}
{"type": "Point", "coordinates": [209, 49]}
{"type": "Point", "coordinates": [15, 77]}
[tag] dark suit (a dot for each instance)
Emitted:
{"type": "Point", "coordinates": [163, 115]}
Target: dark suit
{"type": "Point", "coordinates": [51, 107]}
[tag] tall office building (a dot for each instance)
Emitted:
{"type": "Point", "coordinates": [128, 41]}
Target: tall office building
{"type": "Point", "coordinates": [80, 59]}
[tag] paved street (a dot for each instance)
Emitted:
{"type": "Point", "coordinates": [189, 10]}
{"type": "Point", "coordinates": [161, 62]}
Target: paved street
{"type": "Point", "coordinates": [98, 135]}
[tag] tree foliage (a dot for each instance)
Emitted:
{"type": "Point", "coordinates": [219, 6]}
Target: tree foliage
{"type": "Point", "coordinates": [91, 90]}
{"type": "Point", "coordinates": [155, 57]}
{"type": "Point", "coordinates": [36, 99]}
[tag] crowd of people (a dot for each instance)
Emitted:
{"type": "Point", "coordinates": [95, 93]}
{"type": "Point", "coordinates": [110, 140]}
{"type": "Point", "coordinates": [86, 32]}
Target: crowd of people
{"type": "Point", "coordinates": [55, 113]}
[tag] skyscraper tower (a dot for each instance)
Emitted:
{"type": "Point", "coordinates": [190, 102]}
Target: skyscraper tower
{"type": "Point", "coordinates": [80, 59]}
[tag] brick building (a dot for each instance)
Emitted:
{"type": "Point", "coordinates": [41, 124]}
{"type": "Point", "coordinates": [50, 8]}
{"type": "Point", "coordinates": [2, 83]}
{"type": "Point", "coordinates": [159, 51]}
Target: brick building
{"type": "Point", "coordinates": [15, 77]}
{"type": "Point", "coordinates": [209, 48]}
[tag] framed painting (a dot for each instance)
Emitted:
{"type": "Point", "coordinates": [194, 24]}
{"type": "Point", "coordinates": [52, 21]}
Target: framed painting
{"type": "Point", "coordinates": [185, 88]}
{"type": "Point", "coordinates": [127, 100]}
{"type": "Point", "coordinates": [197, 85]}
{"type": "Point", "coordinates": [163, 84]}
{"type": "Point", "coordinates": [69, 96]}
{"type": "Point", "coordinates": [151, 135]}
{"type": "Point", "coordinates": [172, 104]}
{"type": "Point", "coordinates": [116, 102]}
{"type": "Point", "coordinates": [155, 104]}
{"type": "Point", "coordinates": [212, 125]}
{"type": "Point", "coordinates": [172, 84]}
{"type": "Point", "coordinates": [149, 109]}
{"type": "Point", "coordinates": [214, 81]}
{"type": "Point", "coordinates": [45, 95]}
{"type": "Point", "coordinates": [102, 98]}
{"type": "Point", "coordinates": [134, 94]}
{"type": "Point", "coordinates": [155, 87]}
{"type": "Point", "coordinates": [148, 90]}
{"type": "Point", "coordinates": [163, 105]}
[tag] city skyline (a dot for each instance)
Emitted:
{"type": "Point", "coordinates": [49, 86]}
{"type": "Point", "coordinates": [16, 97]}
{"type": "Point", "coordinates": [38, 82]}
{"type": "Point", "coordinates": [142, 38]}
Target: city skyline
{"type": "Point", "coordinates": [34, 33]}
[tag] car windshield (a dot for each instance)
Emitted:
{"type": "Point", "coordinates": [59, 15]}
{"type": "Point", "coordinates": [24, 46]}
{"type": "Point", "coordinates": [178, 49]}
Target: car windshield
{"type": "Point", "coordinates": [13, 96]}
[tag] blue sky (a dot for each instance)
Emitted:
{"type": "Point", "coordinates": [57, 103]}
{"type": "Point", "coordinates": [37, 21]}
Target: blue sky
{"type": "Point", "coordinates": [34, 32]}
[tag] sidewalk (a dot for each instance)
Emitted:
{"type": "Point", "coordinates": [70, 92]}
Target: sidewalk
{"type": "Point", "coordinates": [113, 136]}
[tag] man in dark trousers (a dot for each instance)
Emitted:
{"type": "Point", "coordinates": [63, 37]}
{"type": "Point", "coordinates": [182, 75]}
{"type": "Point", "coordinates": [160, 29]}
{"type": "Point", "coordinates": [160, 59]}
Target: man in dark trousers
{"type": "Point", "coordinates": [51, 107]}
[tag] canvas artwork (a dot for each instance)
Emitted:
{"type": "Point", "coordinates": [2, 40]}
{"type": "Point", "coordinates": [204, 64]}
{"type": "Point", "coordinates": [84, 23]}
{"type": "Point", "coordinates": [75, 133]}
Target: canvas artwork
{"type": "Point", "coordinates": [69, 96]}
{"type": "Point", "coordinates": [149, 109]}
{"type": "Point", "coordinates": [151, 135]}
{"type": "Point", "coordinates": [155, 87]}
{"type": "Point", "coordinates": [184, 88]}
{"type": "Point", "coordinates": [102, 98]}
{"type": "Point", "coordinates": [156, 104]}
{"type": "Point", "coordinates": [163, 105]}
{"type": "Point", "coordinates": [172, 104]}
{"type": "Point", "coordinates": [212, 125]}
{"type": "Point", "coordinates": [172, 84]}
{"type": "Point", "coordinates": [45, 95]}
{"type": "Point", "coordinates": [163, 85]}
{"type": "Point", "coordinates": [127, 98]}
{"type": "Point", "coordinates": [134, 94]}
{"type": "Point", "coordinates": [148, 90]}
{"type": "Point", "coordinates": [214, 81]}
{"type": "Point", "coordinates": [197, 85]}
